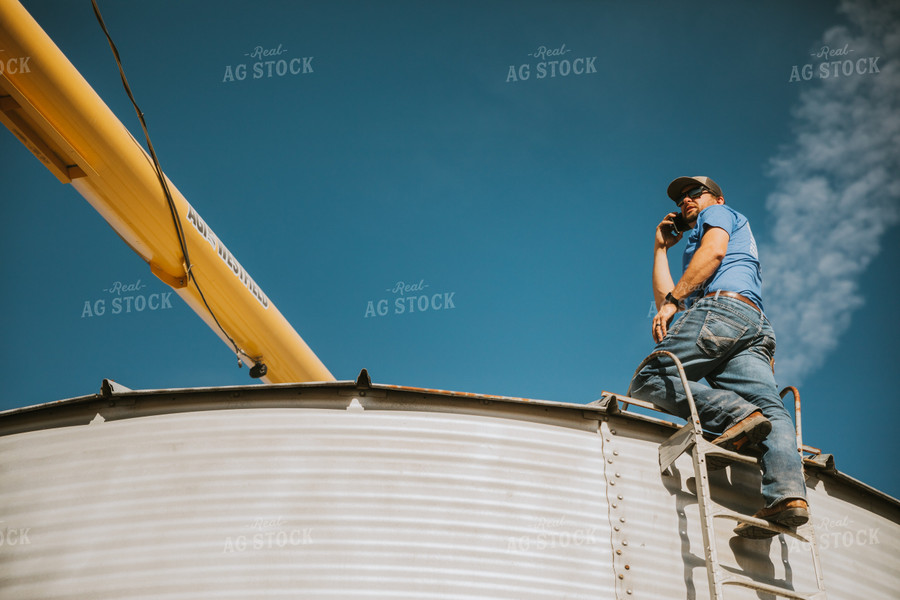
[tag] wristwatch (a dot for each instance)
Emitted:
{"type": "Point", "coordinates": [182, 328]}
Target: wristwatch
{"type": "Point", "coordinates": [670, 299]}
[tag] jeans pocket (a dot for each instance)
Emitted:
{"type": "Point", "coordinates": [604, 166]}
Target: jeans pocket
{"type": "Point", "coordinates": [765, 347]}
{"type": "Point", "coordinates": [719, 334]}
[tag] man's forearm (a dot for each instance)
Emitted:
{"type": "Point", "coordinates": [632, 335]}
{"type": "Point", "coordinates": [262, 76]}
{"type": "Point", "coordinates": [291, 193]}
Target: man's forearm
{"type": "Point", "coordinates": [704, 263]}
{"type": "Point", "coordinates": [662, 277]}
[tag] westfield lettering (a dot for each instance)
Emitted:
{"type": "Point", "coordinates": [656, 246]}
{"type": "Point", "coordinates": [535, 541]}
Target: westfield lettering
{"type": "Point", "coordinates": [844, 66]}
{"type": "Point", "coordinates": [553, 63]}
{"type": "Point", "coordinates": [124, 299]}
{"type": "Point", "coordinates": [268, 65]}
{"type": "Point", "coordinates": [227, 257]}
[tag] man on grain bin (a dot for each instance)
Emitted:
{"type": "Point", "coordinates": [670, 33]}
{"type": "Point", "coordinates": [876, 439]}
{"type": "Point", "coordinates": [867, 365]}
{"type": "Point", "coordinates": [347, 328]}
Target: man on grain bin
{"type": "Point", "coordinates": [724, 337]}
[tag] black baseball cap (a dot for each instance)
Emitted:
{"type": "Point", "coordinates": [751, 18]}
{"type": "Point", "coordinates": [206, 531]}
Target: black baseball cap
{"type": "Point", "coordinates": [679, 184]}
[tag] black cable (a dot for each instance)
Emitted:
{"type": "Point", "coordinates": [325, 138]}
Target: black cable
{"type": "Point", "coordinates": [173, 210]}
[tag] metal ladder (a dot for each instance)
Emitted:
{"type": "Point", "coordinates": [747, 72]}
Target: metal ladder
{"type": "Point", "coordinates": [690, 437]}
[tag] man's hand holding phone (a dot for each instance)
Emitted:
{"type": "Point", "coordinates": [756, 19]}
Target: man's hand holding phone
{"type": "Point", "coordinates": [667, 232]}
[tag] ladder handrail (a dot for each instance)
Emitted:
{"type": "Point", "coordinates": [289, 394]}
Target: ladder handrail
{"type": "Point", "coordinates": [695, 419]}
{"type": "Point", "coordinates": [799, 428]}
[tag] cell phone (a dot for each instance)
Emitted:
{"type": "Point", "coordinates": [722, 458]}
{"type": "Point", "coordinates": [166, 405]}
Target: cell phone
{"type": "Point", "coordinates": [680, 224]}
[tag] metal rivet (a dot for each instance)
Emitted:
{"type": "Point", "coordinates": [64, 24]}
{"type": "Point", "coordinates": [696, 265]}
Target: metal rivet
{"type": "Point", "coordinates": [624, 542]}
{"type": "Point", "coordinates": [615, 452]}
{"type": "Point", "coordinates": [612, 431]}
{"type": "Point", "coordinates": [612, 483]}
{"type": "Point", "coordinates": [619, 552]}
{"type": "Point", "coordinates": [627, 567]}
{"type": "Point", "coordinates": [614, 505]}
{"type": "Point", "coordinates": [616, 528]}
{"type": "Point", "coordinates": [609, 460]}
{"type": "Point", "coordinates": [619, 496]}
{"type": "Point", "coordinates": [621, 576]}
{"type": "Point", "coordinates": [621, 519]}
{"type": "Point", "coordinates": [618, 474]}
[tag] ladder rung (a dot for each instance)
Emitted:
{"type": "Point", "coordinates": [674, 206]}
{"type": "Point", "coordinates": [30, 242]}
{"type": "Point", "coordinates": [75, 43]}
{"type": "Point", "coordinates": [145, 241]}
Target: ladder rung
{"type": "Point", "coordinates": [684, 439]}
{"type": "Point", "coordinates": [713, 450]}
{"type": "Point", "coordinates": [724, 513]}
{"type": "Point", "coordinates": [675, 446]}
{"type": "Point", "coordinates": [771, 589]}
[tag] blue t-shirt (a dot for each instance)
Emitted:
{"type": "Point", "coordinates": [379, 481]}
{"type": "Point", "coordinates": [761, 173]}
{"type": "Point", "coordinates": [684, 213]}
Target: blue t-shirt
{"type": "Point", "coordinates": [739, 271]}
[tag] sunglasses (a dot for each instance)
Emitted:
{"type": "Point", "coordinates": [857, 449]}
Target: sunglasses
{"type": "Point", "coordinates": [692, 194]}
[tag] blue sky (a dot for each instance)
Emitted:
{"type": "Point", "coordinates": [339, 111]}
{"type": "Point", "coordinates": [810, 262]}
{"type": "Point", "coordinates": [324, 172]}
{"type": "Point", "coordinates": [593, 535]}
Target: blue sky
{"type": "Point", "coordinates": [409, 154]}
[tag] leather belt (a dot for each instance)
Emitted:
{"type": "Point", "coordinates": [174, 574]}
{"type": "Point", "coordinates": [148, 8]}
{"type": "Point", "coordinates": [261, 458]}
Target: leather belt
{"type": "Point", "coordinates": [736, 296]}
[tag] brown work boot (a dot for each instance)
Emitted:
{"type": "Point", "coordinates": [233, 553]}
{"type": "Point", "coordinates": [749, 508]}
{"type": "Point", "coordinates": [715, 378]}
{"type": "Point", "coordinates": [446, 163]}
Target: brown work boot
{"type": "Point", "coordinates": [746, 432]}
{"type": "Point", "coordinates": [787, 513]}
{"type": "Point", "coordinates": [743, 434]}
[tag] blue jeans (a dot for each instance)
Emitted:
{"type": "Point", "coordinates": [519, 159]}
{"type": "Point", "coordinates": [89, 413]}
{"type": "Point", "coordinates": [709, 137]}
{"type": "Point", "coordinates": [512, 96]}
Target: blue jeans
{"type": "Point", "coordinates": [731, 345]}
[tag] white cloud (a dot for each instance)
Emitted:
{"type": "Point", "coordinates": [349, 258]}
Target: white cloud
{"type": "Point", "coordinates": [837, 189]}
